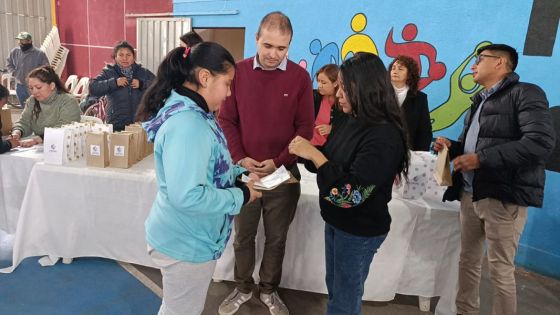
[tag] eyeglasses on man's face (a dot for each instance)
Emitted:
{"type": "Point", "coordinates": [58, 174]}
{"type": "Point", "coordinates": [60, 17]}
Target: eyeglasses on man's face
{"type": "Point", "coordinates": [482, 56]}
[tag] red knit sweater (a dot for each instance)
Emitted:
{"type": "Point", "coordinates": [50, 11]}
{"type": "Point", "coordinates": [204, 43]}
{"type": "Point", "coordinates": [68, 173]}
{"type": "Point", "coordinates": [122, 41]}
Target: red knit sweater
{"type": "Point", "coordinates": [266, 110]}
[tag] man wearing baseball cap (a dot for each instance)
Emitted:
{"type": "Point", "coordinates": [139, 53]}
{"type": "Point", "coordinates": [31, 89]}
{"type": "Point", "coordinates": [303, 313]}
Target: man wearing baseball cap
{"type": "Point", "coordinates": [21, 61]}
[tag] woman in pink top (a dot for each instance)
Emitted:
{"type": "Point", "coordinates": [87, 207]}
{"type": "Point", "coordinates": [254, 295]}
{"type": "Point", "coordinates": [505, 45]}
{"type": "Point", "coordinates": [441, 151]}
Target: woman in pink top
{"type": "Point", "coordinates": [327, 110]}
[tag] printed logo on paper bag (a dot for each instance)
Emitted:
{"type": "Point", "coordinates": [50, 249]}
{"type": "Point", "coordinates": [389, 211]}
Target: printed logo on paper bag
{"type": "Point", "coordinates": [53, 148]}
{"type": "Point", "coordinates": [95, 150]}
{"type": "Point", "coordinates": [119, 150]}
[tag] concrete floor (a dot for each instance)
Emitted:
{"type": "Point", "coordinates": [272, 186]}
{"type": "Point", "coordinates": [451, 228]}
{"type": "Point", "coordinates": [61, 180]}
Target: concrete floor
{"type": "Point", "coordinates": [536, 295]}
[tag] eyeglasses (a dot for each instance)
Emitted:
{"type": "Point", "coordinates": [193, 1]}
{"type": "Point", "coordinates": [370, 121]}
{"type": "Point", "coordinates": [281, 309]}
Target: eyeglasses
{"type": "Point", "coordinates": [481, 56]}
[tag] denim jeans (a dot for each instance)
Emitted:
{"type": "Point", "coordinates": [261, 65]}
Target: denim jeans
{"type": "Point", "coordinates": [22, 94]}
{"type": "Point", "coordinates": [347, 260]}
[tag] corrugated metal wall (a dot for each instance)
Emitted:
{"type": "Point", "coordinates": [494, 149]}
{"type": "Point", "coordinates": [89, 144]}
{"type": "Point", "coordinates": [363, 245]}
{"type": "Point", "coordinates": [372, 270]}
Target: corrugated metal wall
{"type": "Point", "coordinates": [156, 37]}
{"type": "Point", "coordinates": [33, 16]}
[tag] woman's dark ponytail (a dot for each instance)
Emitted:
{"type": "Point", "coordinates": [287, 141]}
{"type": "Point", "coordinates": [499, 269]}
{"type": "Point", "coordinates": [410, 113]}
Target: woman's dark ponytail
{"type": "Point", "coordinates": [179, 66]}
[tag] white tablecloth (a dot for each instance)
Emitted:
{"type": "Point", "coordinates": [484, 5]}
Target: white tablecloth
{"type": "Point", "coordinates": [15, 168]}
{"type": "Point", "coordinates": [79, 211]}
{"type": "Point", "coordinates": [75, 211]}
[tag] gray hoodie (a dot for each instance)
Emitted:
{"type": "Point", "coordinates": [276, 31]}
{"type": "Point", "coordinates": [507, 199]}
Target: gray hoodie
{"type": "Point", "coordinates": [20, 62]}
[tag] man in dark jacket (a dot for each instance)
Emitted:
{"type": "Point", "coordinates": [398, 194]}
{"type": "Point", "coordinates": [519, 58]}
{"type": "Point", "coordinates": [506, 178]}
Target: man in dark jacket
{"type": "Point", "coordinates": [21, 61]}
{"type": "Point", "coordinates": [498, 172]}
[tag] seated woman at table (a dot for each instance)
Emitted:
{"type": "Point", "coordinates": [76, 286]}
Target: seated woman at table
{"type": "Point", "coordinates": [414, 104]}
{"type": "Point", "coordinates": [50, 105]}
{"type": "Point", "coordinates": [191, 219]}
{"type": "Point", "coordinates": [327, 109]}
{"type": "Point", "coordinates": [124, 83]}
{"type": "Point", "coordinates": [355, 172]}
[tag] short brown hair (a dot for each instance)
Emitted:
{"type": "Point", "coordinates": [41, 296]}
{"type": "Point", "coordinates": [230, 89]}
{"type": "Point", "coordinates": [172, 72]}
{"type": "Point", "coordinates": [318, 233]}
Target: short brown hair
{"type": "Point", "coordinates": [330, 70]}
{"type": "Point", "coordinates": [276, 20]}
{"type": "Point", "coordinates": [413, 76]}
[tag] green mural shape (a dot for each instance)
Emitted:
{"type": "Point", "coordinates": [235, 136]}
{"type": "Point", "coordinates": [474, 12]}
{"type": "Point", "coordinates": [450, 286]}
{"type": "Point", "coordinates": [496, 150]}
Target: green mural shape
{"type": "Point", "coordinates": [358, 42]}
{"type": "Point", "coordinates": [461, 89]}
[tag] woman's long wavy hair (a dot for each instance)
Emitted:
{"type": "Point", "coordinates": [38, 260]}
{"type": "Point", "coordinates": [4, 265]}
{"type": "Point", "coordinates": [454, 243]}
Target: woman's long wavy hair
{"type": "Point", "coordinates": [179, 66]}
{"type": "Point", "coordinates": [46, 75]}
{"type": "Point", "coordinates": [413, 72]}
{"type": "Point", "coordinates": [372, 97]}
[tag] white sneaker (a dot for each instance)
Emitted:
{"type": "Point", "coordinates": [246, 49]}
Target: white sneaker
{"type": "Point", "coordinates": [275, 304]}
{"type": "Point", "coordinates": [233, 301]}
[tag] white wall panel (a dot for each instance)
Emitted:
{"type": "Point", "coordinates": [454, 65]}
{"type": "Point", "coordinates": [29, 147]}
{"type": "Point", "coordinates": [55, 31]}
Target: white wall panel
{"type": "Point", "coordinates": [156, 37]}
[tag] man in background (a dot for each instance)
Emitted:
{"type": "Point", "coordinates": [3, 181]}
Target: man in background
{"type": "Point", "coordinates": [21, 61]}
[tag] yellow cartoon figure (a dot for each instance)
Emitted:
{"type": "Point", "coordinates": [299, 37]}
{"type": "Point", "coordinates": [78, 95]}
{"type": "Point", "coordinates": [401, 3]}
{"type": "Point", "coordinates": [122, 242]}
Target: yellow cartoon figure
{"type": "Point", "coordinates": [358, 42]}
{"type": "Point", "coordinates": [461, 89]}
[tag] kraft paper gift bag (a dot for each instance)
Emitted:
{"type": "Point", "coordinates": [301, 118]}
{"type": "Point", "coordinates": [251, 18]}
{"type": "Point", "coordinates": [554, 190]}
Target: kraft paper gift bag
{"type": "Point", "coordinates": [97, 149]}
{"type": "Point", "coordinates": [145, 149]}
{"type": "Point", "coordinates": [55, 146]}
{"type": "Point", "coordinates": [442, 172]}
{"type": "Point", "coordinates": [6, 119]}
{"type": "Point", "coordinates": [122, 148]}
{"type": "Point", "coordinates": [138, 140]}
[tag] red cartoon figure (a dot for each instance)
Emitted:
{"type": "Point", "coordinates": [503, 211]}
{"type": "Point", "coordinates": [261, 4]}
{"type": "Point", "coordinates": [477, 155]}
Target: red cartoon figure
{"type": "Point", "coordinates": [415, 49]}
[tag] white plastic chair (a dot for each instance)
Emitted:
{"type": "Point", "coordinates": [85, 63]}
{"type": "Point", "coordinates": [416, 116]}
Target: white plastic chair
{"type": "Point", "coordinates": [82, 88]}
{"type": "Point", "coordinates": [84, 118]}
{"type": "Point", "coordinates": [71, 83]}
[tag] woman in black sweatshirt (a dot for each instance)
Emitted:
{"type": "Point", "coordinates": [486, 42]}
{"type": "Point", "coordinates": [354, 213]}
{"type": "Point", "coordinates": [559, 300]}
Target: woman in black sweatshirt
{"type": "Point", "coordinates": [355, 171]}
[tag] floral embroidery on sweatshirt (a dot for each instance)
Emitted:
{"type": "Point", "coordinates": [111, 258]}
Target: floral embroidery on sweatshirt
{"type": "Point", "coordinates": [348, 196]}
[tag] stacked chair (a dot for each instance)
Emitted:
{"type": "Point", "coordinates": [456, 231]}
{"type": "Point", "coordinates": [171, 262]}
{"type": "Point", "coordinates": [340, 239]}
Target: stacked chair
{"type": "Point", "coordinates": [56, 53]}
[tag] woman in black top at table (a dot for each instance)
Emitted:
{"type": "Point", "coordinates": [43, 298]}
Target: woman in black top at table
{"type": "Point", "coordinates": [355, 172]}
{"type": "Point", "coordinates": [414, 104]}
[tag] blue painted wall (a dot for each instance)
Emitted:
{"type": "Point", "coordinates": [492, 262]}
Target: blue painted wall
{"type": "Point", "coordinates": [325, 29]}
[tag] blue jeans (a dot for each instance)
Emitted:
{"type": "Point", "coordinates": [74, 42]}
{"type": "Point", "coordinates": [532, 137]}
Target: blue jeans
{"type": "Point", "coordinates": [347, 260]}
{"type": "Point", "coordinates": [22, 94]}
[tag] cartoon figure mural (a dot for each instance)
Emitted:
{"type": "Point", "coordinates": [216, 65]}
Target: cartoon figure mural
{"type": "Point", "coordinates": [324, 55]}
{"type": "Point", "coordinates": [358, 42]}
{"type": "Point", "coordinates": [415, 49]}
{"type": "Point", "coordinates": [461, 88]}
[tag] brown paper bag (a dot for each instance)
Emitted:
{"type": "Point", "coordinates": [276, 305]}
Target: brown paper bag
{"type": "Point", "coordinates": [123, 147]}
{"type": "Point", "coordinates": [146, 145]}
{"type": "Point", "coordinates": [97, 149]}
{"type": "Point", "coordinates": [140, 139]}
{"type": "Point", "coordinates": [6, 121]}
{"type": "Point", "coordinates": [442, 171]}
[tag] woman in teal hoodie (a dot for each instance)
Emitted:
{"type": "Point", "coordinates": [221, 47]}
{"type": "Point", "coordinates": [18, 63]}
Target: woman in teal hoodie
{"type": "Point", "coordinates": [190, 221]}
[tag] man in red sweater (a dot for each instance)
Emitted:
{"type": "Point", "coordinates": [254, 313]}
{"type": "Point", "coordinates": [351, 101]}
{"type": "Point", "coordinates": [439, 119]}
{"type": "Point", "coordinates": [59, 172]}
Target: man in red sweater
{"type": "Point", "coordinates": [271, 102]}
